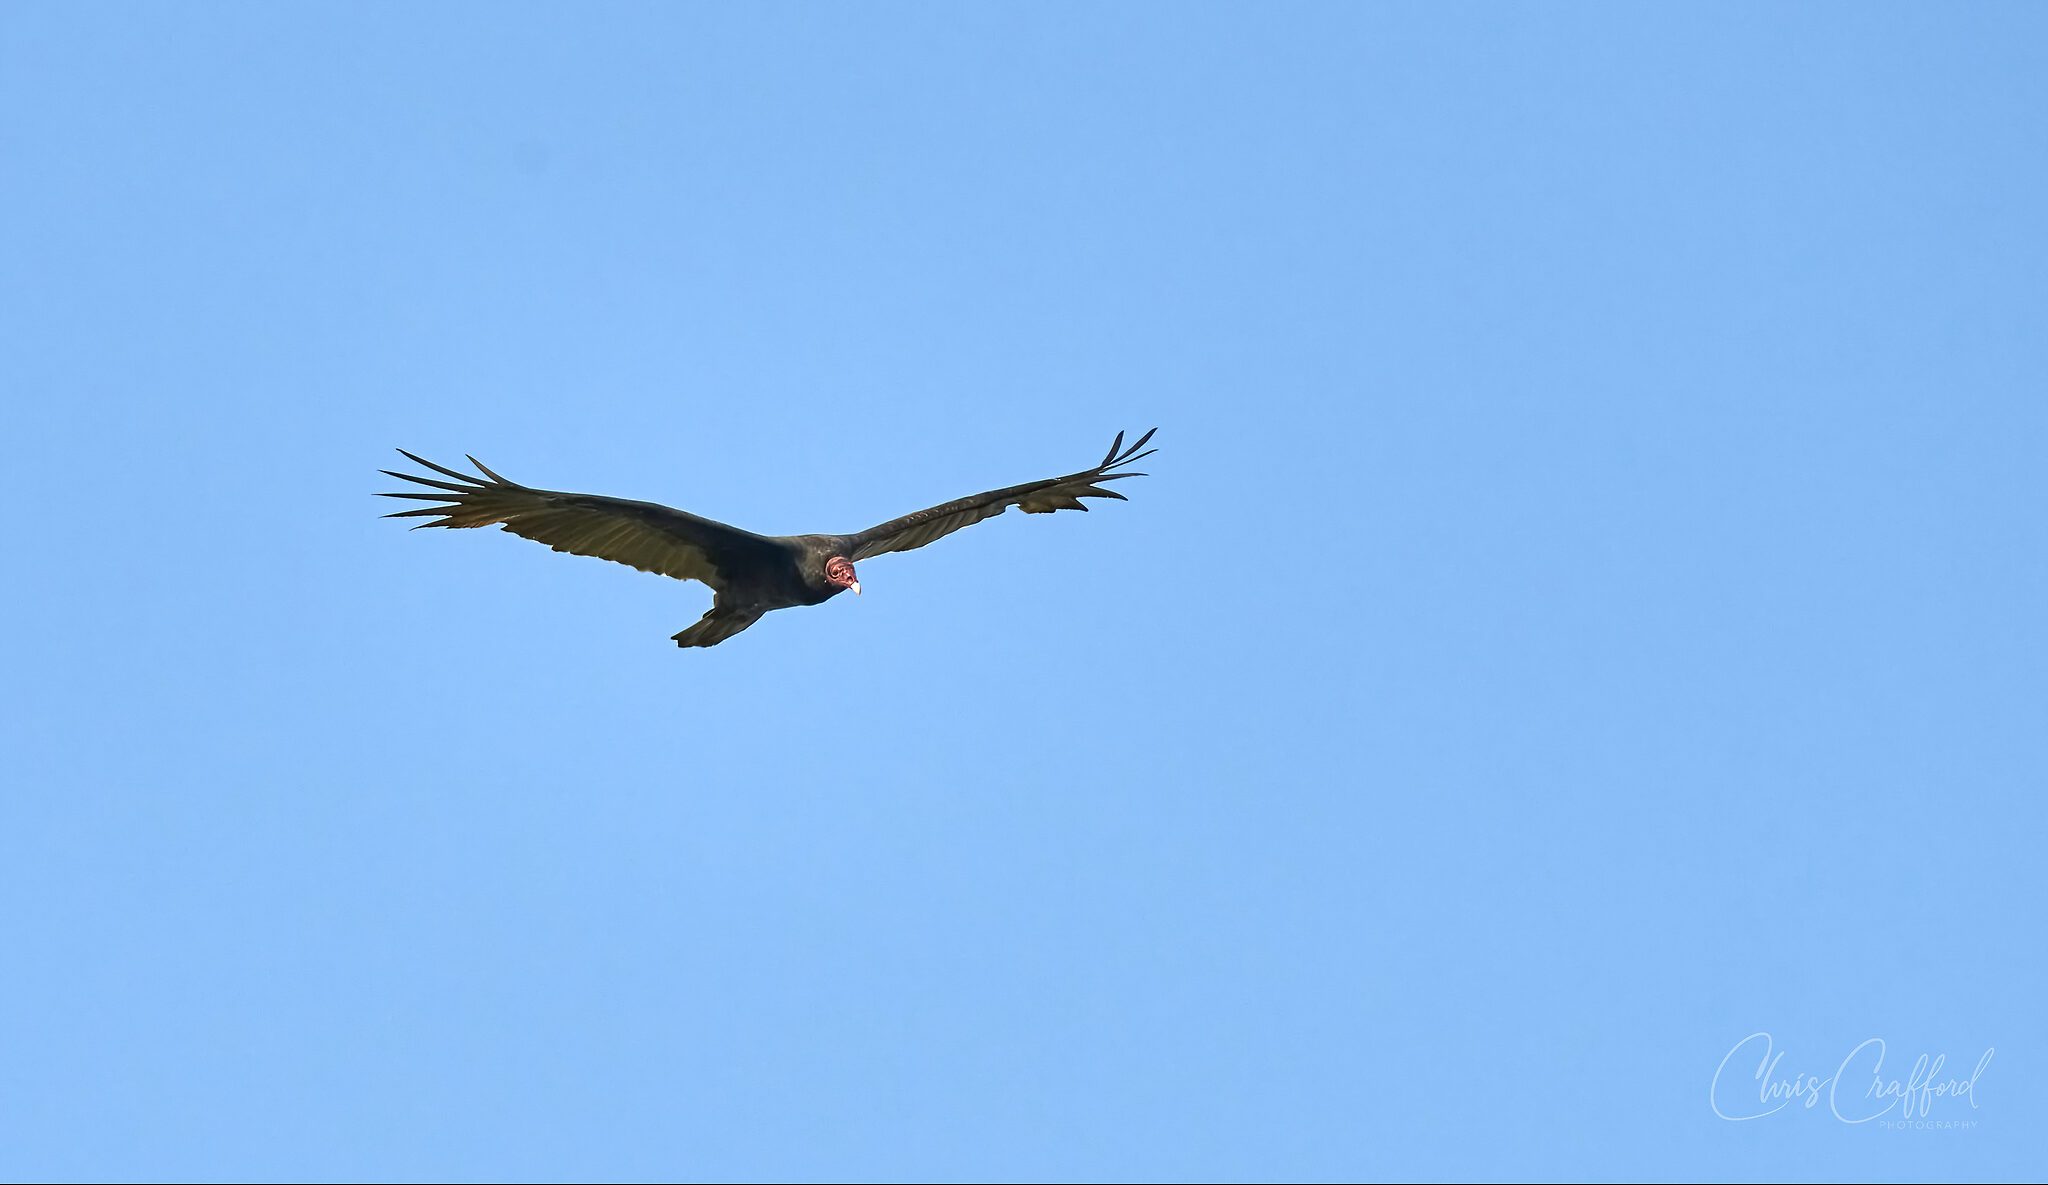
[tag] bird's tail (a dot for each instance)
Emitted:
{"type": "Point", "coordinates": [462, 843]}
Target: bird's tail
{"type": "Point", "coordinates": [716, 626]}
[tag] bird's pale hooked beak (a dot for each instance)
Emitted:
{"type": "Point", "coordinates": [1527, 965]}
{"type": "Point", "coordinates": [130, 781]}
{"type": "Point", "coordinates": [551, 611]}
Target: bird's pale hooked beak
{"type": "Point", "coordinates": [855, 586]}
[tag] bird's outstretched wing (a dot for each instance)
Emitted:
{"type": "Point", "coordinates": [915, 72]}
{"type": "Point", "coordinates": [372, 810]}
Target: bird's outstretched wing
{"type": "Point", "coordinates": [650, 537]}
{"type": "Point", "coordinates": [1035, 497]}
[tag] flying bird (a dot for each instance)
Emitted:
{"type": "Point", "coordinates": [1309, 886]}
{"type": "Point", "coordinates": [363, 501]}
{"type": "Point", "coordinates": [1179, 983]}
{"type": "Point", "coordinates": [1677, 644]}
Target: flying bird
{"type": "Point", "coordinates": [751, 574]}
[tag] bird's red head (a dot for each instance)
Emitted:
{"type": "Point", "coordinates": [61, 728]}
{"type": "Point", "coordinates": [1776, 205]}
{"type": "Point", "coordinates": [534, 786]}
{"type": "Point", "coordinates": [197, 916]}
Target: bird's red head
{"type": "Point", "coordinates": [839, 571]}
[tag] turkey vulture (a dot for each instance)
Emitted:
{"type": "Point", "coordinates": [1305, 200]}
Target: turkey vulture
{"type": "Point", "coordinates": [751, 573]}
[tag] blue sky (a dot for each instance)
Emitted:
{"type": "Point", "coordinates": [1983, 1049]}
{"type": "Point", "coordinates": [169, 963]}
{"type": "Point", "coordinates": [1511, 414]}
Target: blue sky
{"type": "Point", "coordinates": [1587, 608]}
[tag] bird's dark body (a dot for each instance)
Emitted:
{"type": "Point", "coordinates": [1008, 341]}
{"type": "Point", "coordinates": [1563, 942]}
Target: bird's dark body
{"type": "Point", "coordinates": [751, 574]}
{"type": "Point", "coordinates": [797, 578]}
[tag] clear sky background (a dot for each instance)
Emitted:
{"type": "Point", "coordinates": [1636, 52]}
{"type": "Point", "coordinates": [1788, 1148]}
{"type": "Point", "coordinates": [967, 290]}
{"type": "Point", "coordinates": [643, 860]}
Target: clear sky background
{"type": "Point", "coordinates": [1588, 607]}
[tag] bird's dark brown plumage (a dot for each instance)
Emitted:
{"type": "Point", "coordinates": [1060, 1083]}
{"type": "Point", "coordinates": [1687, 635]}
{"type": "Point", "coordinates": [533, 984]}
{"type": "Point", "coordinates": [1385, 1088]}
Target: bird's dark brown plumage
{"type": "Point", "coordinates": [751, 574]}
